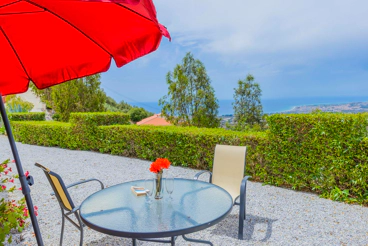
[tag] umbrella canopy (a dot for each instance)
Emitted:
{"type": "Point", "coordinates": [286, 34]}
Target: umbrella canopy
{"type": "Point", "coordinates": [52, 41]}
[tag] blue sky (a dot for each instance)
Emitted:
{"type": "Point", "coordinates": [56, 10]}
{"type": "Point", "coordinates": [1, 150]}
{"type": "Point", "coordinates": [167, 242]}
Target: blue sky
{"type": "Point", "coordinates": [304, 48]}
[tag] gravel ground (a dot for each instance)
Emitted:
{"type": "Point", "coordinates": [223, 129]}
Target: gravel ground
{"type": "Point", "coordinates": [275, 216]}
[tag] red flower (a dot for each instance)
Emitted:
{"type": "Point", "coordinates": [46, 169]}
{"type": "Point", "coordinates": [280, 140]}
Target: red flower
{"type": "Point", "coordinates": [163, 162]}
{"type": "Point", "coordinates": [20, 188]}
{"type": "Point", "coordinates": [21, 222]}
{"type": "Point", "coordinates": [11, 180]}
{"type": "Point", "coordinates": [6, 172]}
{"type": "Point", "coordinates": [13, 161]}
{"type": "Point", "coordinates": [159, 164]}
{"type": "Point", "coordinates": [26, 174]}
{"type": "Point", "coordinates": [3, 187]}
{"type": "Point", "coordinates": [10, 169]}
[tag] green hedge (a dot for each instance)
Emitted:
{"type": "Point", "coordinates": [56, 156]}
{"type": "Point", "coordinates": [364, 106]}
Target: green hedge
{"type": "Point", "coordinates": [185, 146]}
{"type": "Point", "coordinates": [32, 116]}
{"type": "Point", "coordinates": [84, 127]}
{"type": "Point", "coordinates": [100, 118]}
{"type": "Point", "coordinates": [46, 133]}
{"type": "Point", "coordinates": [325, 153]}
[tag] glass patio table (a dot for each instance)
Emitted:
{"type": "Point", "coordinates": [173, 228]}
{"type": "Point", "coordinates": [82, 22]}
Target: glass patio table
{"type": "Point", "coordinates": [196, 205]}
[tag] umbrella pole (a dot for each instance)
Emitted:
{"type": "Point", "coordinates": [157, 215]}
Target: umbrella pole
{"type": "Point", "coordinates": [23, 180]}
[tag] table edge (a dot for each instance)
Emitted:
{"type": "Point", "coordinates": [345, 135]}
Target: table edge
{"type": "Point", "coordinates": [143, 235]}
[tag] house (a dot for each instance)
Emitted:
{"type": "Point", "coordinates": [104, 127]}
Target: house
{"type": "Point", "coordinates": [155, 120]}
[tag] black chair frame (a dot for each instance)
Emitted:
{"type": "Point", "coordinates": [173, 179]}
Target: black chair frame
{"type": "Point", "coordinates": [240, 200]}
{"type": "Point", "coordinates": [65, 211]}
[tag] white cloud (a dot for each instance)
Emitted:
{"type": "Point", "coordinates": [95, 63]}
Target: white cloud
{"type": "Point", "coordinates": [292, 47]}
{"type": "Point", "coordinates": [264, 27]}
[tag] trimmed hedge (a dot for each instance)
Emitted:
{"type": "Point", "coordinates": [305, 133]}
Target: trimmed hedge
{"type": "Point", "coordinates": [100, 118]}
{"type": "Point", "coordinates": [325, 153]}
{"type": "Point", "coordinates": [84, 126]}
{"type": "Point", "coordinates": [184, 146]}
{"type": "Point", "coordinates": [31, 116]}
{"type": "Point", "coordinates": [44, 133]}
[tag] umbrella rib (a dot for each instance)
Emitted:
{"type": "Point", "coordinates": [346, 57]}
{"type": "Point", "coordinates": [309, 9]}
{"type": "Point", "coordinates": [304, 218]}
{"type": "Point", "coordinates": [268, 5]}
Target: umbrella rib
{"type": "Point", "coordinates": [79, 30]}
{"type": "Point", "coordinates": [15, 52]}
{"type": "Point", "coordinates": [9, 4]}
{"type": "Point", "coordinates": [30, 12]}
{"type": "Point", "coordinates": [134, 12]}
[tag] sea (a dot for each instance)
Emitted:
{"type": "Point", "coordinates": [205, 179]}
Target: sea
{"type": "Point", "coordinates": [269, 105]}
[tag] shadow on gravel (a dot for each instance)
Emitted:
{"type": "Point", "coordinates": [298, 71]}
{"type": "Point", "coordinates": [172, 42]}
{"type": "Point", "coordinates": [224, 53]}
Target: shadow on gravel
{"type": "Point", "coordinates": [229, 227]}
{"type": "Point", "coordinates": [110, 240]}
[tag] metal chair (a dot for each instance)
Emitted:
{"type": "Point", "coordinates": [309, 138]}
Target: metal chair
{"type": "Point", "coordinates": [228, 173]}
{"type": "Point", "coordinates": [66, 204]}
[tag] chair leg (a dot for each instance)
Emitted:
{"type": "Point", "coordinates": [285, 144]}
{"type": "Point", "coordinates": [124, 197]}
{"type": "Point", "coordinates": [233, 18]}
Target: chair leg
{"type": "Point", "coordinates": [62, 227]}
{"type": "Point", "coordinates": [245, 204]}
{"type": "Point", "coordinates": [242, 209]}
{"type": "Point", "coordinates": [80, 228]}
{"type": "Point", "coordinates": [241, 222]}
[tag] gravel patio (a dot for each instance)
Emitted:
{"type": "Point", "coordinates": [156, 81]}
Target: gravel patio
{"type": "Point", "coordinates": [275, 216]}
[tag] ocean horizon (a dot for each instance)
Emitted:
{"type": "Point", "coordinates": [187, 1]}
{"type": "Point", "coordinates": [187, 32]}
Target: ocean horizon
{"type": "Point", "coordinates": [269, 105]}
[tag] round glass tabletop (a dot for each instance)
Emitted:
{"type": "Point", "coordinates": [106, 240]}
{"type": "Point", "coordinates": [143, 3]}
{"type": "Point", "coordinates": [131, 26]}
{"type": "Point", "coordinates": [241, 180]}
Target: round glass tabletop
{"type": "Point", "coordinates": [196, 205]}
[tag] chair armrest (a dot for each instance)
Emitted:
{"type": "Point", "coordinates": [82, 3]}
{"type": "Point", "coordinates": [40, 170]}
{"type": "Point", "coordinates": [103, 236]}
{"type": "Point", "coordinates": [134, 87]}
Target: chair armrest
{"type": "Point", "coordinates": [243, 187]}
{"type": "Point", "coordinates": [85, 181]}
{"type": "Point", "coordinates": [202, 172]}
{"type": "Point", "coordinates": [81, 182]}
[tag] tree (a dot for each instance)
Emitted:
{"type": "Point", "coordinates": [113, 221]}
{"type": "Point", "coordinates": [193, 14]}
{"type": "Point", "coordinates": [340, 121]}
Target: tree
{"type": "Point", "coordinates": [247, 105]}
{"type": "Point", "coordinates": [191, 99]}
{"type": "Point", "coordinates": [125, 107]}
{"type": "Point", "coordinates": [138, 114]}
{"type": "Point", "coordinates": [79, 95]}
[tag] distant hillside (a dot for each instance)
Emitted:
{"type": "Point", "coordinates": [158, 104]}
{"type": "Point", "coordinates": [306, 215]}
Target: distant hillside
{"type": "Point", "coordinates": [356, 107]}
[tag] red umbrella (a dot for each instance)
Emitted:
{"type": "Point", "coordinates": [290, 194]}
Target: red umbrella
{"type": "Point", "coordinates": [52, 41]}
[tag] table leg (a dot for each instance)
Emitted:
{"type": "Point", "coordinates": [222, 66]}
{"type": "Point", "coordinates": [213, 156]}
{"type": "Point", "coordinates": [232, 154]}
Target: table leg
{"type": "Point", "coordinates": [134, 242]}
{"type": "Point", "coordinates": [173, 241]}
{"type": "Point", "coordinates": [196, 240]}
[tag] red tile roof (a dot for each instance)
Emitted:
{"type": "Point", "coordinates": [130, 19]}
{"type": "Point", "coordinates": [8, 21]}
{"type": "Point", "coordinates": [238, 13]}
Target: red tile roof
{"type": "Point", "coordinates": [155, 120]}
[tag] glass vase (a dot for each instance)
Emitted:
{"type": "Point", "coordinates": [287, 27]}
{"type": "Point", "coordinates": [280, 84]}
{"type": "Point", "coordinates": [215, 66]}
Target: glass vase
{"type": "Point", "coordinates": [158, 185]}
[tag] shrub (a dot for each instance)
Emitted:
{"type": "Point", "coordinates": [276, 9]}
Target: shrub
{"type": "Point", "coordinates": [100, 119]}
{"type": "Point", "coordinates": [56, 117]}
{"type": "Point", "coordinates": [44, 133]}
{"type": "Point", "coordinates": [184, 146]}
{"type": "Point", "coordinates": [33, 116]}
{"type": "Point", "coordinates": [84, 127]}
{"type": "Point", "coordinates": [138, 114]}
{"type": "Point", "coordinates": [15, 104]}
{"type": "Point", "coordinates": [325, 153]}
{"type": "Point", "coordinates": [13, 214]}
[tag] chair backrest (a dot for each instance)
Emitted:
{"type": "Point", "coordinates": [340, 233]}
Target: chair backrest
{"type": "Point", "coordinates": [228, 168]}
{"type": "Point", "coordinates": [59, 188]}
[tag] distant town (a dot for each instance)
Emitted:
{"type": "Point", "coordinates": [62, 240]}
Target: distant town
{"type": "Point", "coordinates": [355, 107]}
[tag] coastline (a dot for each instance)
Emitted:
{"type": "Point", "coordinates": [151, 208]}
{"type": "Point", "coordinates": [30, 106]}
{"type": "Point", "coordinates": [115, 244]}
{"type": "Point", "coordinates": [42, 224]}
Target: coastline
{"type": "Point", "coordinates": [270, 106]}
